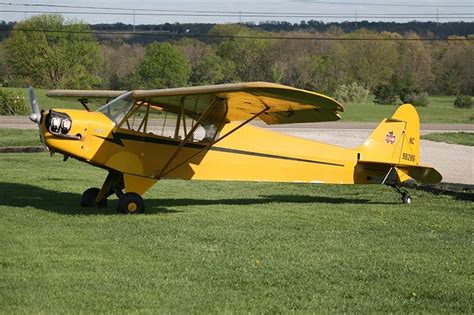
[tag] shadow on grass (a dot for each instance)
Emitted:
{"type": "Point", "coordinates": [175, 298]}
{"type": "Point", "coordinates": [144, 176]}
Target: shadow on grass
{"type": "Point", "coordinates": [24, 195]}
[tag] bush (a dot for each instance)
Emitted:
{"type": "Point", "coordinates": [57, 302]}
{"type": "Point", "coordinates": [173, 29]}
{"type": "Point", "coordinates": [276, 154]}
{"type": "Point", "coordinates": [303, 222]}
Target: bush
{"type": "Point", "coordinates": [463, 101]}
{"type": "Point", "coordinates": [385, 94]}
{"type": "Point", "coordinates": [351, 93]}
{"type": "Point", "coordinates": [12, 103]}
{"type": "Point", "coordinates": [418, 99]}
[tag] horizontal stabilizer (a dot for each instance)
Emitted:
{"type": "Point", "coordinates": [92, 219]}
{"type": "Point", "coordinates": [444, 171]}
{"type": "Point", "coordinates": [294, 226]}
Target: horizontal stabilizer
{"type": "Point", "coordinates": [422, 174]}
{"type": "Point", "coordinates": [374, 172]}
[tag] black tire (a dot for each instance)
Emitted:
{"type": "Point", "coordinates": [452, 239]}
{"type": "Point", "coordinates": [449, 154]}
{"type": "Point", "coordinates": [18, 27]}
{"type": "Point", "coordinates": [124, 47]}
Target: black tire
{"type": "Point", "coordinates": [131, 203]}
{"type": "Point", "coordinates": [88, 199]}
{"type": "Point", "coordinates": [406, 198]}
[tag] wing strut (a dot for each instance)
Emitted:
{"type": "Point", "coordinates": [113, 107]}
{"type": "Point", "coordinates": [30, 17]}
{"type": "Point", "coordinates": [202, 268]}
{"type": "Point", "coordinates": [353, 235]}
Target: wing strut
{"type": "Point", "coordinates": [165, 172]}
{"type": "Point", "coordinates": [186, 138]}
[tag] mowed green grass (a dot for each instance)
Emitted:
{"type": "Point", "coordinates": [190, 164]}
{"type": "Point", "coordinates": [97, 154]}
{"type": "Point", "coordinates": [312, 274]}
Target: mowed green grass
{"type": "Point", "coordinates": [440, 110]}
{"type": "Point", "coordinates": [215, 247]}
{"type": "Point", "coordinates": [19, 137]}
{"type": "Point", "coordinates": [463, 138]}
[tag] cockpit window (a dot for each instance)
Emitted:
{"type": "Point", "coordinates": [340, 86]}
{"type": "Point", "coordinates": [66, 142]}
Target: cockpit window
{"type": "Point", "coordinates": [154, 120]}
{"type": "Point", "coordinates": [118, 107]}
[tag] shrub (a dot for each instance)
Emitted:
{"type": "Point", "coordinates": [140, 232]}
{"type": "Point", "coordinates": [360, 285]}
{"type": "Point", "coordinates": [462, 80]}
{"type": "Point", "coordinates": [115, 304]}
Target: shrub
{"type": "Point", "coordinates": [12, 103]}
{"type": "Point", "coordinates": [418, 99]}
{"type": "Point", "coordinates": [463, 101]}
{"type": "Point", "coordinates": [351, 93]}
{"type": "Point", "coordinates": [385, 94]}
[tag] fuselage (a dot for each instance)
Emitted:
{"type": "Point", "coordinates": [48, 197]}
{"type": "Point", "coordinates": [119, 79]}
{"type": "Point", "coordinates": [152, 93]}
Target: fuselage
{"type": "Point", "coordinates": [248, 154]}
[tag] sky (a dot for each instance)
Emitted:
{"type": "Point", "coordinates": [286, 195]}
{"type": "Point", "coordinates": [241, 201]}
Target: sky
{"type": "Point", "coordinates": [232, 11]}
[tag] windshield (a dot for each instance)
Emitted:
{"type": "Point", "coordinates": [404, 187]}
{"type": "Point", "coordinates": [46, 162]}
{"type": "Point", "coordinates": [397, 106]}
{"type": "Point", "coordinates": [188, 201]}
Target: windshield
{"type": "Point", "coordinates": [118, 107]}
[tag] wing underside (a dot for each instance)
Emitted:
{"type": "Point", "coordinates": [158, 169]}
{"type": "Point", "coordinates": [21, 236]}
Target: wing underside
{"type": "Point", "coordinates": [89, 97]}
{"type": "Point", "coordinates": [284, 104]}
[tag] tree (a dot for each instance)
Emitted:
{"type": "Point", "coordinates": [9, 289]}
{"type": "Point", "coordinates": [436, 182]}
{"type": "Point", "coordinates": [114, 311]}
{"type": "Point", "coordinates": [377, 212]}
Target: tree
{"type": "Point", "coordinates": [119, 62]}
{"type": "Point", "coordinates": [413, 70]}
{"type": "Point", "coordinates": [368, 62]}
{"type": "Point", "coordinates": [4, 71]}
{"type": "Point", "coordinates": [453, 70]}
{"type": "Point", "coordinates": [194, 50]}
{"type": "Point", "coordinates": [253, 57]}
{"type": "Point", "coordinates": [213, 70]}
{"type": "Point", "coordinates": [64, 55]}
{"type": "Point", "coordinates": [164, 67]}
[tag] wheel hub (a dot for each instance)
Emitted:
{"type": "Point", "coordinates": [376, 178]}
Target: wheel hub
{"type": "Point", "coordinates": [132, 207]}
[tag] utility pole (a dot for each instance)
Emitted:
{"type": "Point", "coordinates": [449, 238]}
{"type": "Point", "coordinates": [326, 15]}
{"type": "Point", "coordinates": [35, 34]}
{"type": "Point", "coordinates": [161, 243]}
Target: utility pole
{"type": "Point", "coordinates": [437, 17]}
{"type": "Point", "coordinates": [355, 18]}
{"type": "Point", "coordinates": [134, 21]}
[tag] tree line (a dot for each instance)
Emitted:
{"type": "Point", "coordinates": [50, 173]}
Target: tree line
{"type": "Point", "coordinates": [72, 57]}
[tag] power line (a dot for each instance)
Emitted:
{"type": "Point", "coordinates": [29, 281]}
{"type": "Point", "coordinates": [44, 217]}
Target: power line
{"type": "Point", "coordinates": [227, 12]}
{"type": "Point", "coordinates": [324, 15]}
{"type": "Point", "coordinates": [392, 4]}
{"type": "Point", "coordinates": [167, 35]}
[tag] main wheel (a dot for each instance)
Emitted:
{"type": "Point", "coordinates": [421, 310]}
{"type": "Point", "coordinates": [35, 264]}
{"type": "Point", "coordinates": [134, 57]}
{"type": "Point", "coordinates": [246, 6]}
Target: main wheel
{"type": "Point", "coordinates": [131, 203]}
{"type": "Point", "coordinates": [406, 198]}
{"type": "Point", "coordinates": [89, 196]}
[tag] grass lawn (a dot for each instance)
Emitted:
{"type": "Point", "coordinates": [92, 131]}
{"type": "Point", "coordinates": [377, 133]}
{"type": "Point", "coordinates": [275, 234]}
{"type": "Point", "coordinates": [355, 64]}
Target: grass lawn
{"type": "Point", "coordinates": [215, 247]}
{"type": "Point", "coordinates": [464, 138]}
{"type": "Point", "coordinates": [440, 110]}
{"type": "Point", "coordinates": [19, 137]}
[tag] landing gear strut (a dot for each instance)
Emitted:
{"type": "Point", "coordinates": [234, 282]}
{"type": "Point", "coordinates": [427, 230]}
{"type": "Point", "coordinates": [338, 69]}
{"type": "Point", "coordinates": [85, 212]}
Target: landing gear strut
{"type": "Point", "coordinates": [95, 197]}
{"type": "Point", "coordinates": [406, 198]}
{"type": "Point", "coordinates": [128, 203]}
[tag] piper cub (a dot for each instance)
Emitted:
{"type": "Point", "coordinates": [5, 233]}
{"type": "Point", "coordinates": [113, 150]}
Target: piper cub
{"type": "Point", "coordinates": [203, 133]}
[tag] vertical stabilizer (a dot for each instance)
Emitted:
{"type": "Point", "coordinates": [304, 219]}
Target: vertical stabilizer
{"type": "Point", "coordinates": [395, 140]}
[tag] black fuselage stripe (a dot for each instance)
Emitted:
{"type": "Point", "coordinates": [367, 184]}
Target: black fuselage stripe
{"type": "Point", "coordinates": [273, 156]}
{"type": "Point", "coordinates": [117, 137]}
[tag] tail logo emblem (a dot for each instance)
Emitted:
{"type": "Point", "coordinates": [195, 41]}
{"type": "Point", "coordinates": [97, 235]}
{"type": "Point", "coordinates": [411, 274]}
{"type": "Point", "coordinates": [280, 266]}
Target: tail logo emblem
{"type": "Point", "coordinates": [390, 138]}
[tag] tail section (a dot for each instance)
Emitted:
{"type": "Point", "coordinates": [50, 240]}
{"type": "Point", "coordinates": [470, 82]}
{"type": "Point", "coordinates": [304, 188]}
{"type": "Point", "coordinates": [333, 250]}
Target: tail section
{"type": "Point", "coordinates": [392, 151]}
{"type": "Point", "coordinates": [395, 140]}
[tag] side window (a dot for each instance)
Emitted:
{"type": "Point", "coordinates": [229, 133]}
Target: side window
{"type": "Point", "coordinates": [135, 121]}
{"type": "Point", "coordinates": [154, 120]}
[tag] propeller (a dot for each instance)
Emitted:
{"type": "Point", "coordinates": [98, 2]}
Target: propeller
{"type": "Point", "coordinates": [35, 115]}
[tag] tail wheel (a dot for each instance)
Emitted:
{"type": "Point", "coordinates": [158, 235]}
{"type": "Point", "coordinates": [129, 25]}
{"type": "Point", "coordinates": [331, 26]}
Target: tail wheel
{"type": "Point", "coordinates": [89, 196]}
{"type": "Point", "coordinates": [131, 203]}
{"type": "Point", "coordinates": [406, 198]}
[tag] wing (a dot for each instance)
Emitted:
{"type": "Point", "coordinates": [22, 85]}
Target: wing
{"type": "Point", "coordinates": [89, 97]}
{"type": "Point", "coordinates": [285, 104]}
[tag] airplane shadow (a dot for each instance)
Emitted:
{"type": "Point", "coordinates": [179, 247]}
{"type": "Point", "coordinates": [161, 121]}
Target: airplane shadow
{"type": "Point", "coordinates": [25, 195]}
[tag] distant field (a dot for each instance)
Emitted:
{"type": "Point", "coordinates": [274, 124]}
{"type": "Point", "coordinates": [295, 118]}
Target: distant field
{"type": "Point", "coordinates": [226, 247]}
{"type": "Point", "coordinates": [463, 138]}
{"type": "Point", "coordinates": [441, 109]}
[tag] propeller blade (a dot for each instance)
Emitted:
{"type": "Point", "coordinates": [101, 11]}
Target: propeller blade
{"type": "Point", "coordinates": [36, 114]}
{"type": "Point", "coordinates": [33, 101]}
{"type": "Point", "coordinates": [35, 111]}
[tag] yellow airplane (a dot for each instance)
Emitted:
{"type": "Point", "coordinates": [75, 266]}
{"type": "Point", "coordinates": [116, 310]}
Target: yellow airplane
{"type": "Point", "coordinates": [203, 133]}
